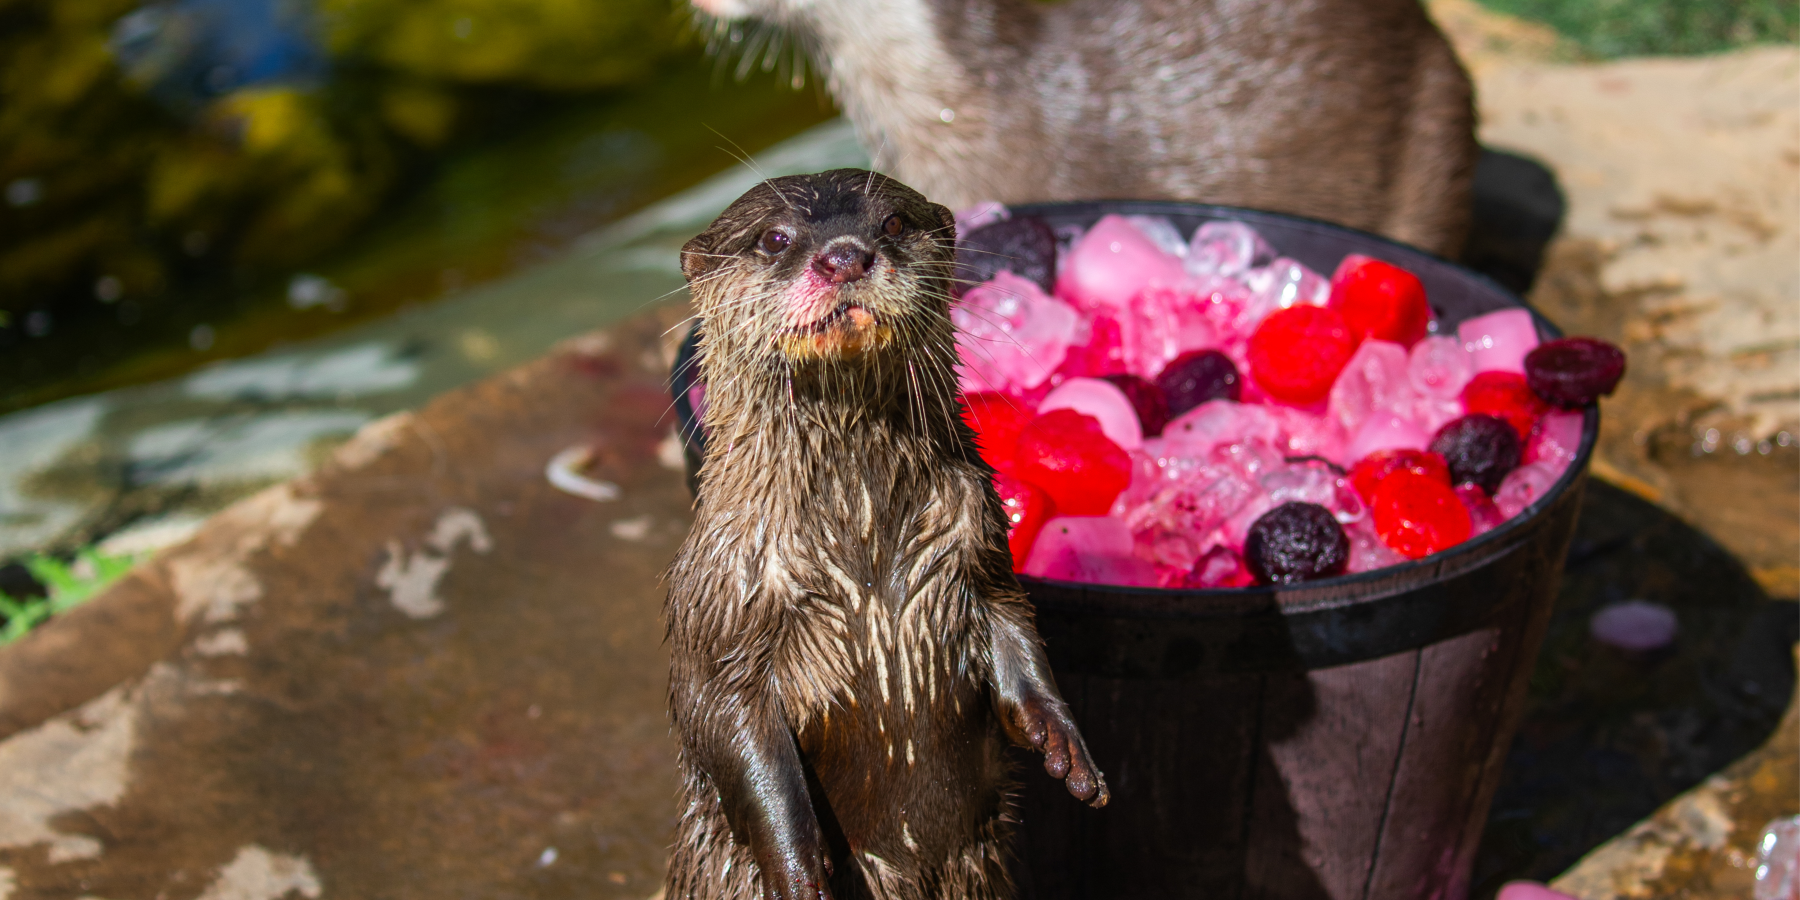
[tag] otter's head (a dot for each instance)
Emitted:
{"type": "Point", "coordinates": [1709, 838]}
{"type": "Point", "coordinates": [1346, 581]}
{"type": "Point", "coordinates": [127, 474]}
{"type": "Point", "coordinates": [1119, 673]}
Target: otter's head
{"type": "Point", "coordinates": [839, 270]}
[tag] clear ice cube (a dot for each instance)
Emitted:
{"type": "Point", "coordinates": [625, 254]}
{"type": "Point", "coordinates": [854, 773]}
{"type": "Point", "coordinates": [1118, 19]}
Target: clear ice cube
{"type": "Point", "coordinates": [1778, 860]}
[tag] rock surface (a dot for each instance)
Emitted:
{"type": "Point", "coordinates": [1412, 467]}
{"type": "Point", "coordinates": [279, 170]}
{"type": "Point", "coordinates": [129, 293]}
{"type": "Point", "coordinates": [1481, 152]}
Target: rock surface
{"type": "Point", "coordinates": [420, 671]}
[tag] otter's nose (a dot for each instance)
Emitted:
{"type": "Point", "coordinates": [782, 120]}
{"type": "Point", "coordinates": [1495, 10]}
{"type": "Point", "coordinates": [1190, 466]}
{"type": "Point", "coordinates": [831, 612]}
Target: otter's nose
{"type": "Point", "coordinates": [843, 263]}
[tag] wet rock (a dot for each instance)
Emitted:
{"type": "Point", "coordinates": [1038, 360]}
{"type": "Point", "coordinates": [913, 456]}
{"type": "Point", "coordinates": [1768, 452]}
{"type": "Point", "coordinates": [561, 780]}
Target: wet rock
{"type": "Point", "coordinates": [407, 673]}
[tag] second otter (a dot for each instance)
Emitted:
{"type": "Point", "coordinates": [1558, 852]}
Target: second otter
{"type": "Point", "coordinates": [850, 650]}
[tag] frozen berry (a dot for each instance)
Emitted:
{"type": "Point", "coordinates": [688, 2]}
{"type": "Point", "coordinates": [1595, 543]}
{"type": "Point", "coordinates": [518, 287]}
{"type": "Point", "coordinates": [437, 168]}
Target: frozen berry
{"type": "Point", "coordinates": [1296, 353]}
{"type": "Point", "coordinates": [997, 420]}
{"type": "Point", "coordinates": [1480, 449]}
{"type": "Point", "coordinates": [1504, 395]}
{"type": "Point", "coordinates": [1417, 515]}
{"type": "Point", "coordinates": [1146, 399]}
{"type": "Point", "coordinates": [1023, 245]}
{"type": "Point", "coordinates": [1573, 372]}
{"type": "Point", "coordinates": [1296, 542]}
{"type": "Point", "coordinates": [1380, 301]}
{"type": "Point", "coordinates": [1197, 376]}
{"type": "Point", "coordinates": [1027, 509]}
{"type": "Point", "coordinates": [1067, 455]}
{"type": "Point", "coordinates": [1368, 472]}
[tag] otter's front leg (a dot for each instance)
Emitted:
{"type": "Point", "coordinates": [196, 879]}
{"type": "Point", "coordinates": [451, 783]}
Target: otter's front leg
{"type": "Point", "coordinates": [749, 756]}
{"type": "Point", "coordinates": [1033, 712]}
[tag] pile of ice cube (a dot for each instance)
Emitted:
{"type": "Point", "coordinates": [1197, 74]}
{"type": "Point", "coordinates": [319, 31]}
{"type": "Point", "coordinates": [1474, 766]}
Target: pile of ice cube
{"type": "Point", "coordinates": [1185, 413]}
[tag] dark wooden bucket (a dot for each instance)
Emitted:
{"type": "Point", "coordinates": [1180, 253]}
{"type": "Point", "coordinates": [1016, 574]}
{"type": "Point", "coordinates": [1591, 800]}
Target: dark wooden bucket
{"type": "Point", "coordinates": [1340, 739]}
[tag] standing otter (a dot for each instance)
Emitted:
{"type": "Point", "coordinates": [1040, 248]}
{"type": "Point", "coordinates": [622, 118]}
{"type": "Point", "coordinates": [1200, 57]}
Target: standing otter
{"type": "Point", "coordinates": [1355, 111]}
{"type": "Point", "coordinates": [849, 646]}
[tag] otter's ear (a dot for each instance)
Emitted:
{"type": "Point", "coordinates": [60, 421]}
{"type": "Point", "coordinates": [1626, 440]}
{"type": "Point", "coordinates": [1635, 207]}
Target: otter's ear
{"type": "Point", "coordinates": [696, 255]}
{"type": "Point", "coordinates": [944, 222]}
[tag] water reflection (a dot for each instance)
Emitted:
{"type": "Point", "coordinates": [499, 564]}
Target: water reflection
{"type": "Point", "coordinates": [187, 180]}
{"type": "Point", "coordinates": [187, 53]}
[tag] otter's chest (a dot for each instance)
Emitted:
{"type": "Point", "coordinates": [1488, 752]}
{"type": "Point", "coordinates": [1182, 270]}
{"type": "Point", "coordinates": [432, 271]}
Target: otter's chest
{"type": "Point", "coordinates": [874, 591]}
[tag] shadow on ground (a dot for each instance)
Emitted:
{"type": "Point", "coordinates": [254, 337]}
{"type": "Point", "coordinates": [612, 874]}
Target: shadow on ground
{"type": "Point", "coordinates": [1610, 736]}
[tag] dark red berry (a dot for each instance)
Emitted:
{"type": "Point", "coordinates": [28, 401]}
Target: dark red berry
{"type": "Point", "coordinates": [1380, 301]}
{"type": "Point", "coordinates": [1504, 395]}
{"type": "Point", "coordinates": [1146, 400]}
{"type": "Point", "coordinates": [1296, 353]}
{"type": "Point", "coordinates": [1296, 542]}
{"type": "Point", "coordinates": [1417, 515]}
{"type": "Point", "coordinates": [1027, 509]}
{"type": "Point", "coordinates": [1067, 455]}
{"type": "Point", "coordinates": [1480, 449]}
{"type": "Point", "coordinates": [1369, 472]}
{"type": "Point", "coordinates": [1024, 245]}
{"type": "Point", "coordinates": [1575, 371]}
{"type": "Point", "coordinates": [1197, 376]}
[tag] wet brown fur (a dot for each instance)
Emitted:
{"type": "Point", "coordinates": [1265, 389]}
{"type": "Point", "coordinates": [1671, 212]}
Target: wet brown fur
{"type": "Point", "coordinates": [1354, 111]}
{"type": "Point", "coordinates": [850, 650]}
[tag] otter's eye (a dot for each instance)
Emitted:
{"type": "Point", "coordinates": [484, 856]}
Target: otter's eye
{"type": "Point", "coordinates": [893, 226]}
{"type": "Point", "coordinates": [774, 241]}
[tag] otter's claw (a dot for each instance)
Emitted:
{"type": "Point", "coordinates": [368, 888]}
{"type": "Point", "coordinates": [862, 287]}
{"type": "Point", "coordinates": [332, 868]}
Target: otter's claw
{"type": "Point", "coordinates": [1048, 728]}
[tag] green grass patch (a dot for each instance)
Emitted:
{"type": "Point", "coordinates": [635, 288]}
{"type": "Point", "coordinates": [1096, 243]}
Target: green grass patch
{"type": "Point", "coordinates": [1606, 29]}
{"type": "Point", "coordinates": [69, 584]}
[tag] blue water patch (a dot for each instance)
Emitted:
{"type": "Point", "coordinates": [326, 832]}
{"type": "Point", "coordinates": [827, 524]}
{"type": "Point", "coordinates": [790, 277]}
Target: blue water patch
{"type": "Point", "coordinates": [188, 52]}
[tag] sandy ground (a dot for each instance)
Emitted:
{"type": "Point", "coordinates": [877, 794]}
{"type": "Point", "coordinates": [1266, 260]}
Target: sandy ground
{"type": "Point", "coordinates": [1681, 243]}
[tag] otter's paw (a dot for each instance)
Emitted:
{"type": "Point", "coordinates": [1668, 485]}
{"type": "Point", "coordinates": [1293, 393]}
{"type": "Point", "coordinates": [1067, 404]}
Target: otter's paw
{"type": "Point", "coordinates": [1049, 729]}
{"type": "Point", "coordinates": [799, 879]}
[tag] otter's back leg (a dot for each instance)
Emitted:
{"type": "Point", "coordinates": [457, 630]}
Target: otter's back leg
{"type": "Point", "coordinates": [1436, 165]}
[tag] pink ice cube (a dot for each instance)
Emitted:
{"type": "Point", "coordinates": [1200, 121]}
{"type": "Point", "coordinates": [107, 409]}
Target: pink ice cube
{"type": "Point", "coordinates": [1385, 431]}
{"type": "Point", "coordinates": [1162, 233]}
{"type": "Point", "coordinates": [1105, 402]}
{"type": "Point", "coordinates": [1635, 625]}
{"type": "Point", "coordinates": [1303, 483]}
{"type": "Point", "coordinates": [986, 212]}
{"type": "Point", "coordinates": [1374, 381]}
{"type": "Point", "coordinates": [1524, 485]}
{"type": "Point", "coordinates": [1226, 248]}
{"type": "Point", "coordinates": [1367, 552]}
{"type": "Point", "coordinates": [1091, 549]}
{"type": "Point", "coordinates": [1097, 350]}
{"type": "Point", "coordinates": [1226, 304]}
{"type": "Point", "coordinates": [1162, 324]}
{"type": "Point", "coordinates": [1556, 440]}
{"type": "Point", "coordinates": [1215, 422]}
{"type": "Point", "coordinates": [1308, 434]}
{"type": "Point", "coordinates": [1219, 567]}
{"type": "Point", "coordinates": [1499, 341]}
{"type": "Point", "coordinates": [1011, 335]}
{"type": "Point", "coordinates": [1439, 367]}
{"type": "Point", "coordinates": [1530, 890]}
{"type": "Point", "coordinates": [1113, 263]}
{"type": "Point", "coordinates": [1484, 516]}
{"type": "Point", "coordinates": [1181, 519]}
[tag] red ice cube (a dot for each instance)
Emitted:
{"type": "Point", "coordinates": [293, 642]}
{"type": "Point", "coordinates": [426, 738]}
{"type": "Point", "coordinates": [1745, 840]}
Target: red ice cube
{"type": "Point", "coordinates": [1504, 395]}
{"type": "Point", "coordinates": [1418, 515]}
{"type": "Point", "coordinates": [1298, 352]}
{"type": "Point", "coordinates": [1068, 455]}
{"type": "Point", "coordinates": [997, 420]}
{"type": "Point", "coordinates": [1379, 300]}
{"type": "Point", "coordinates": [1027, 509]}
